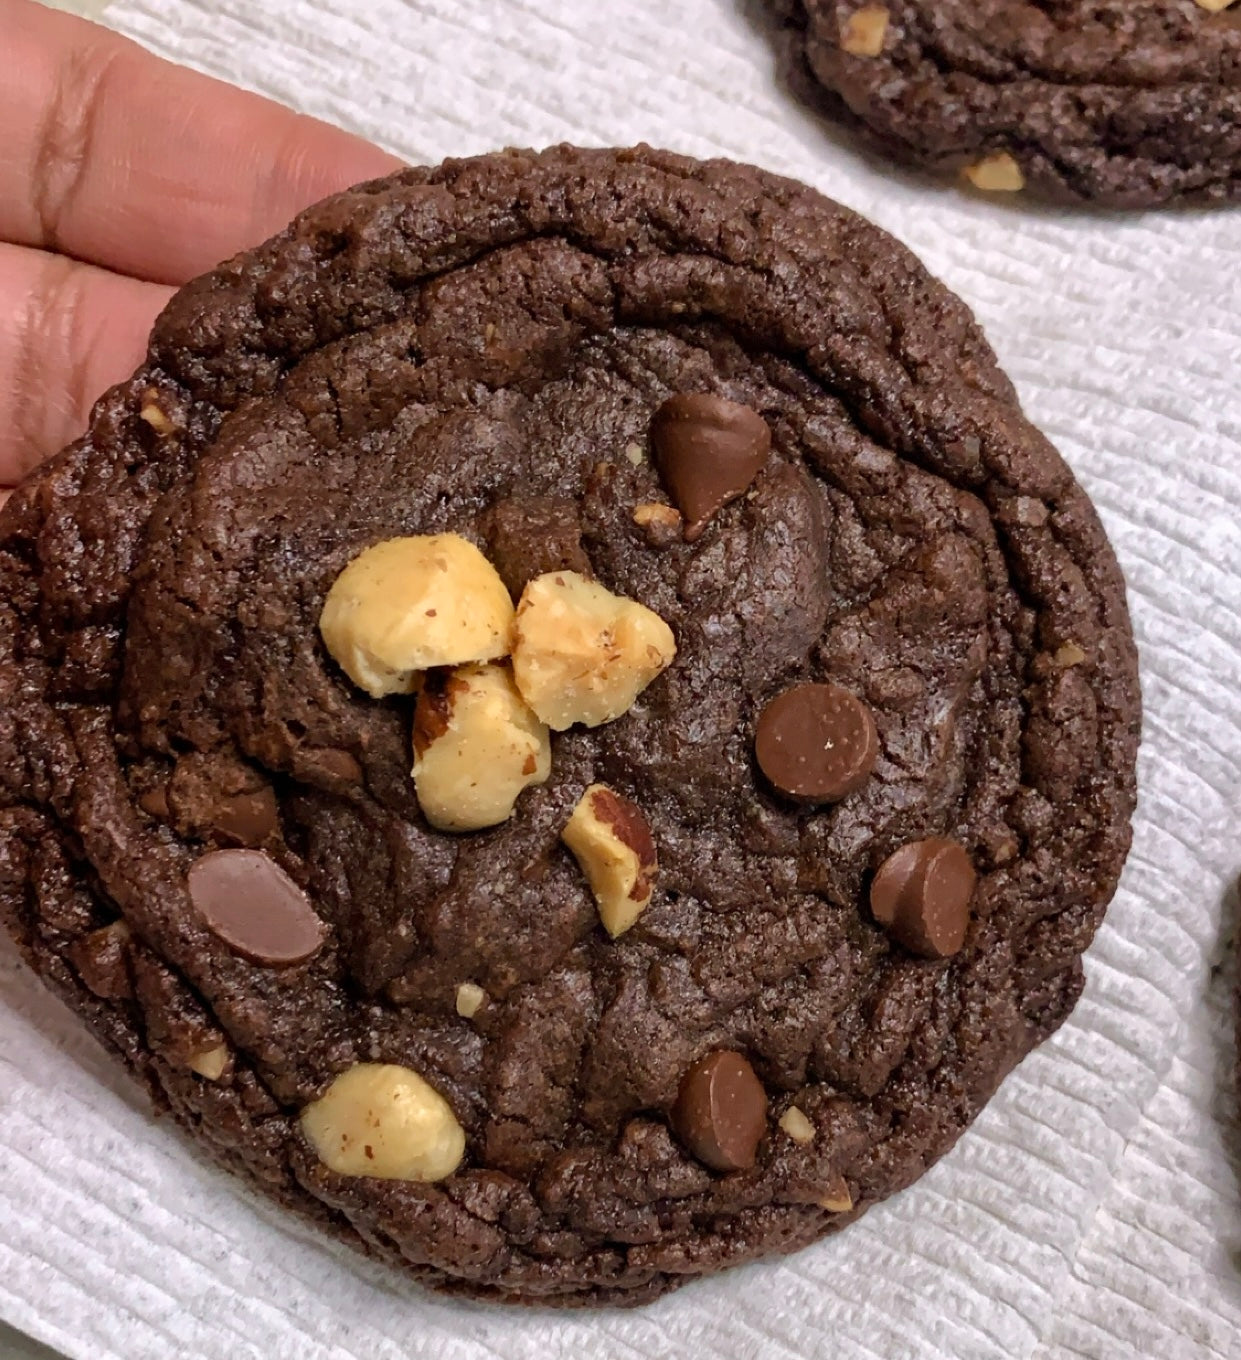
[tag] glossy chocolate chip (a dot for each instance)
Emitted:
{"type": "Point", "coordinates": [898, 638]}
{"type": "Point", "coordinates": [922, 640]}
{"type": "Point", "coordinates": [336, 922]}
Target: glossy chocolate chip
{"type": "Point", "coordinates": [248, 900]}
{"type": "Point", "coordinates": [708, 451]}
{"type": "Point", "coordinates": [816, 743]}
{"type": "Point", "coordinates": [721, 1111]}
{"type": "Point", "coordinates": [247, 818]}
{"type": "Point", "coordinates": [921, 896]}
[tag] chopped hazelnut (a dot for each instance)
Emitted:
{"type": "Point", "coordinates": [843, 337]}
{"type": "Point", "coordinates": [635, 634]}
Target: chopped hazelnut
{"type": "Point", "coordinates": [654, 512]}
{"type": "Point", "coordinates": [409, 604]}
{"type": "Point", "coordinates": [836, 1197]}
{"type": "Point", "coordinates": [864, 32]}
{"type": "Point", "coordinates": [211, 1063]}
{"type": "Point", "coordinates": [612, 842]}
{"type": "Point", "coordinates": [1068, 655]}
{"type": "Point", "coordinates": [381, 1120]}
{"type": "Point", "coordinates": [155, 415]}
{"type": "Point", "coordinates": [470, 997]}
{"type": "Point", "coordinates": [794, 1122]}
{"type": "Point", "coordinates": [476, 747]}
{"type": "Point", "coordinates": [583, 654]}
{"type": "Point", "coordinates": [999, 174]}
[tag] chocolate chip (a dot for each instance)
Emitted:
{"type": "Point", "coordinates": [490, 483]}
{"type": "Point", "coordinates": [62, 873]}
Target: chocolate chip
{"type": "Point", "coordinates": [708, 451]}
{"type": "Point", "coordinates": [248, 900]}
{"type": "Point", "coordinates": [327, 766]}
{"type": "Point", "coordinates": [154, 802]}
{"type": "Point", "coordinates": [247, 818]}
{"type": "Point", "coordinates": [721, 1111]}
{"type": "Point", "coordinates": [816, 743]}
{"type": "Point", "coordinates": [921, 896]}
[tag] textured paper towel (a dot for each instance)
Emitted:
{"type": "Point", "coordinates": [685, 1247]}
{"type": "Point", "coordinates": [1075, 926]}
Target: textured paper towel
{"type": "Point", "coordinates": [1094, 1210]}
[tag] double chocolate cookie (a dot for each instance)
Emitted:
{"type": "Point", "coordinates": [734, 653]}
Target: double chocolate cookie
{"type": "Point", "coordinates": [564, 723]}
{"type": "Point", "coordinates": [1129, 103]}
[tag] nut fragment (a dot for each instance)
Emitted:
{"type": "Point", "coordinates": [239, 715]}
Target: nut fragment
{"type": "Point", "coordinates": [794, 1122]}
{"type": "Point", "coordinates": [408, 604]}
{"type": "Point", "coordinates": [997, 174]}
{"type": "Point", "coordinates": [865, 31]}
{"type": "Point", "coordinates": [1215, 6]}
{"type": "Point", "coordinates": [476, 747]}
{"type": "Point", "coordinates": [634, 454]}
{"type": "Point", "coordinates": [378, 1119]}
{"type": "Point", "coordinates": [612, 842]}
{"type": "Point", "coordinates": [154, 414]}
{"type": "Point", "coordinates": [470, 997]}
{"type": "Point", "coordinates": [653, 512]}
{"type": "Point", "coordinates": [1068, 655]}
{"type": "Point", "coordinates": [836, 1197]}
{"type": "Point", "coordinates": [211, 1063]}
{"type": "Point", "coordinates": [582, 654]}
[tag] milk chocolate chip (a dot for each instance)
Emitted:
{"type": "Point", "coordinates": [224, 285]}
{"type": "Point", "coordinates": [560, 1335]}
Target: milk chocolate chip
{"type": "Point", "coordinates": [721, 1111]}
{"type": "Point", "coordinates": [816, 743]}
{"type": "Point", "coordinates": [248, 900]}
{"type": "Point", "coordinates": [708, 451]}
{"type": "Point", "coordinates": [921, 896]}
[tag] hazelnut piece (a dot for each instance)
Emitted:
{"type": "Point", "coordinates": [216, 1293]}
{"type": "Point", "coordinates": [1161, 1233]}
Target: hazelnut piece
{"type": "Point", "coordinates": [997, 174]}
{"type": "Point", "coordinates": [836, 1197]}
{"type": "Point", "coordinates": [476, 747]}
{"type": "Point", "coordinates": [210, 1063]}
{"type": "Point", "coordinates": [378, 1119]}
{"type": "Point", "coordinates": [612, 842]}
{"type": "Point", "coordinates": [798, 1127]}
{"type": "Point", "coordinates": [470, 997]}
{"type": "Point", "coordinates": [408, 604]}
{"type": "Point", "coordinates": [864, 31]}
{"type": "Point", "coordinates": [582, 654]}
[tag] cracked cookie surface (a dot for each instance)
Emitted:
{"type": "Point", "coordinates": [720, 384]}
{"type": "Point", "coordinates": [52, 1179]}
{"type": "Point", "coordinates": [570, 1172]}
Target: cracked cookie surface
{"type": "Point", "coordinates": [1127, 103]}
{"type": "Point", "coordinates": [479, 349]}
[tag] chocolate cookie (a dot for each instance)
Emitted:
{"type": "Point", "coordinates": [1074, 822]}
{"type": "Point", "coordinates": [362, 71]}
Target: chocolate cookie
{"type": "Point", "coordinates": [764, 676]}
{"type": "Point", "coordinates": [1128, 103]}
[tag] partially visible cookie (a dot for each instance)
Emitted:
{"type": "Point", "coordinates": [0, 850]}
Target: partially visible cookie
{"type": "Point", "coordinates": [1127, 103]}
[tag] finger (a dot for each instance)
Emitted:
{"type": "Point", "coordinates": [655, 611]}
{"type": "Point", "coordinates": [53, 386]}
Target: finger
{"type": "Point", "coordinates": [116, 157]}
{"type": "Point", "coordinates": [68, 331]}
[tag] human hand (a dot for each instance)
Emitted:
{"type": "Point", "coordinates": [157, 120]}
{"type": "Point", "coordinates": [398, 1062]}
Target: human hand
{"type": "Point", "coordinates": [121, 176]}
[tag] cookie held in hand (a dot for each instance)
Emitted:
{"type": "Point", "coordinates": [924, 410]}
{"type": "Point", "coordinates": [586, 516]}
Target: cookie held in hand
{"type": "Point", "coordinates": [662, 852]}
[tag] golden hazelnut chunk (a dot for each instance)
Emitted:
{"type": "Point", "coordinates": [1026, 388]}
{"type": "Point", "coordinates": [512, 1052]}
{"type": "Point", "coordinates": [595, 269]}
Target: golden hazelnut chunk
{"type": "Point", "coordinates": [653, 512]}
{"type": "Point", "coordinates": [154, 414]}
{"type": "Point", "coordinates": [409, 604]}
{"type": "Point", "coordinates": [836, 1197]}
{"type": "Point", "coordinates": [998, 174]}
{"type": "Point", "coordinates": [582, 654]}
{"type": "Point", "coordinates": [211, 1063]}
{"type": "Point", "coordinates": [1068, 655]}
{"type": "Point", "coordinates": [864, 32]}
{"type": "Point", "coordinates": [1215, 6]}
{"type": "Point", "coordinates": [612, 842]}
{"type": "Point", "coordinates": [476, 747]}
{"type": "Point", "coordinates": [378, 1119]}
{"type": "Point", "coordinates": [794, 1122]}
{"type": "Point", "coordinates": [470, 997]}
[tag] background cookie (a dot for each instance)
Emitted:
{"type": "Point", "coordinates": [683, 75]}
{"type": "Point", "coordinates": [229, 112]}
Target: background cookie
{"type": "Point", "coordinates": [483, 350]}
{"type": "Point", "coordinates": [1129, 103]}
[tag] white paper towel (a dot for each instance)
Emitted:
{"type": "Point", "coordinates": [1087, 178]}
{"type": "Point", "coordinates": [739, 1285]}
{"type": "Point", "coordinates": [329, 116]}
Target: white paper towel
{"type": "Point", "coordinates": [1094, 1210]}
